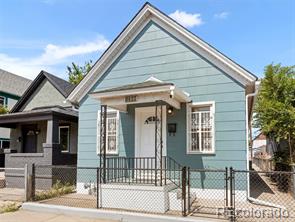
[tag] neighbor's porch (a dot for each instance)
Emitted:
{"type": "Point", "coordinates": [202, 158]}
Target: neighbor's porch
{"type": "Point", "coordinates": [45, 136]}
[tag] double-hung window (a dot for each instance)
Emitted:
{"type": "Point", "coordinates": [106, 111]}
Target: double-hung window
{"type": "Point", "coordinates": [200, 128]}
{"type": "Point", "coordinates": [112, 131]}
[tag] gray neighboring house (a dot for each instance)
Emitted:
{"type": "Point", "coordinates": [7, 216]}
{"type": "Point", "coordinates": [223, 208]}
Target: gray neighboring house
{"type": "Point", "coordinates": [43, 125]}
{"type": "Point", "coordinates": [11, 89]}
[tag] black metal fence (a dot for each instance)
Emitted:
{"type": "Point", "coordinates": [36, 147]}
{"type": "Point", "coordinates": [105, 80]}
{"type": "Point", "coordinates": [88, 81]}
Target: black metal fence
{"type": "Point", "coordinates": [263, 195]}
{"type": "Point", "coordinates": [126, 187]}
{"type": "Point", "coordinates": [230, 194]}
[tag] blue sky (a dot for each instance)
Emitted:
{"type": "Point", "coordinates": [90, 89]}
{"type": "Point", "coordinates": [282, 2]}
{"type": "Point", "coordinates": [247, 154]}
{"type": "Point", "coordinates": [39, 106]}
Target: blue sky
{"type": "Point", "coordinates": [50, 34]}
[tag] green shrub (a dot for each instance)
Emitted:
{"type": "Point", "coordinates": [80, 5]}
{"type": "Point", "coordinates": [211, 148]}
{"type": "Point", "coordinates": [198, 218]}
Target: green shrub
{"type": "Point", "coordinates": [9, 207]}
{"type": "Point", "coordinates": [3, 110]}
{"type": "Point", "coordinates": [57, 190]}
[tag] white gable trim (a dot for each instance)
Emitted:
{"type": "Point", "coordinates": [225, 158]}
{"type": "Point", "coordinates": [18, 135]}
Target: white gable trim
{"type": "Point", "coordinates": [149, 13]}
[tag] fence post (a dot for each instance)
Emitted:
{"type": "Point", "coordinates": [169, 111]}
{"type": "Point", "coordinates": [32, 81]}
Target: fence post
{"type": "Point", "coordinates": [293, 179]}
{"type": "Point", "coordinates": [33, 182]}
{"type": "Point", "coordinates": [188, 190]}
{"type": "Point", "coordinates": [97, 187]}
{"type": "Point", "coordinates": [232, 195]}
{"type": "Point", "coordinates": [226, 188]}
{"type": "Point", "coordinates": [27, 189]}
{"type": "Point", "coordinates": [184, 191]}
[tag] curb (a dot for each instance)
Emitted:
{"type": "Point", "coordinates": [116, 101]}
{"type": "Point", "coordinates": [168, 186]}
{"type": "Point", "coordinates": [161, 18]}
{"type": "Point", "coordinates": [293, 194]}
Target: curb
{"type": "Point", "coordinates": [108, 214]}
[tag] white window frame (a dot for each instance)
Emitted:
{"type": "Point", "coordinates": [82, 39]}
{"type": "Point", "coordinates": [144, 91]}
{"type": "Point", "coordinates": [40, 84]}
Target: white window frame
{"type": "Point", "coordinates": [188, 126]}
{"type": "Point", "coordinates": [116, 152]}
{"type": "Point", "coordinates": [68, 148]}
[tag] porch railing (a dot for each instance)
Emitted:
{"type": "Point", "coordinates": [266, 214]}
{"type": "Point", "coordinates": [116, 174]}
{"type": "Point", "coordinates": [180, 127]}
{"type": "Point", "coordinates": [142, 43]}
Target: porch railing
{"type": "Point", "coordinates": [142, 170]}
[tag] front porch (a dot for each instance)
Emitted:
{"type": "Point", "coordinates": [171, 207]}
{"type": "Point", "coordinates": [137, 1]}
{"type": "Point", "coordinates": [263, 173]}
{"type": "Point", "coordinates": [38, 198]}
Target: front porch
{"type": "Point", "coordinates": [148, 106]}
{"type": "Point", "coordinates": [45, 136]}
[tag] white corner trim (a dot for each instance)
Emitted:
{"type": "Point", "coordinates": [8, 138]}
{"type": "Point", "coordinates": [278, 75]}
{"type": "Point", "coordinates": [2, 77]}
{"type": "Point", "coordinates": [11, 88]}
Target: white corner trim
{"type": "Point", "coordinates": [188, 112]}
{"type": "Point", "coordinates": [149, 13]}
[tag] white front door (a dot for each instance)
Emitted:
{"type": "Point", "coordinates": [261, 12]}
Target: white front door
{"type": "Point", "coordinates": [145, 131]}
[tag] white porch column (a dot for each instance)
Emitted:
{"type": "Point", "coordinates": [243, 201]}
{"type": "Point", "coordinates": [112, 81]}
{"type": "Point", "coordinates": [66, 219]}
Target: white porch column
{"type": "Point", "coordinates": [52, 131]}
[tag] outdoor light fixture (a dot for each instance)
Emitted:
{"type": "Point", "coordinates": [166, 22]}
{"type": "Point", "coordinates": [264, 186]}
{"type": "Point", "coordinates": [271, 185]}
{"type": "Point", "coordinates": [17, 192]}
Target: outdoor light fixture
{"type": "Point", "coordinates": [37, 132]}
{"type": "Point", "coordinates": [170, 110]}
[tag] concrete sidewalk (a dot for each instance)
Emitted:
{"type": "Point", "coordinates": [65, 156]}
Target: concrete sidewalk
{"type": "Point", "coordinates": [31, 216]}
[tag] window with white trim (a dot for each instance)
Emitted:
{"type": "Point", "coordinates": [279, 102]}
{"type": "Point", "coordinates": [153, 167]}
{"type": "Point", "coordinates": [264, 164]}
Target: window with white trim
{"type": "Point", "coordinates": [64, 138]}
{"type": "Point", "coordinates": [112, 132]}
{"type": "Point", "coordinates": [200, 126]}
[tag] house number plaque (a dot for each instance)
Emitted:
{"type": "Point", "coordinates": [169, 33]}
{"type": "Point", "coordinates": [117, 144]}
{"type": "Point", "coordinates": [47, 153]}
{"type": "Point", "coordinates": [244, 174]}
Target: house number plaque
{"type": "Point", "coordinates": [130, 99]}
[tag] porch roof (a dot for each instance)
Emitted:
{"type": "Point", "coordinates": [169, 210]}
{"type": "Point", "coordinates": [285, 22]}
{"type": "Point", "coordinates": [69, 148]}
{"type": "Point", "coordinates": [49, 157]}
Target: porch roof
{"type": "Point", "coordinates": [151, 90]}
{"type": "Point", "coordinates": [42, 113]}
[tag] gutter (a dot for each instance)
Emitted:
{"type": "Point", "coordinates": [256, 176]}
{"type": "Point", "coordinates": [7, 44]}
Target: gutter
{"type": "Point", "coordinates": [251, 199]}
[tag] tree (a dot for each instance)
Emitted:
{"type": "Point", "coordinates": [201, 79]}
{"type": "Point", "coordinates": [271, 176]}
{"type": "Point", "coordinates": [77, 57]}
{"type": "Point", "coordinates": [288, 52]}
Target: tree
{"type": "Point", "coordinates": [275, 106]}
{"type": "Point", "coordinates": [76, 72]}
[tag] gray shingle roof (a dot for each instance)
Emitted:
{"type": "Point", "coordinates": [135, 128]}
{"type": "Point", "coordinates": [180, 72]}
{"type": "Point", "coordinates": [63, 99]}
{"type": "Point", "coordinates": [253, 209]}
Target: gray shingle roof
{"type": "Point", "coordinates": [62, 85]}
{"type": "Point", "coordinates": [13, 84]}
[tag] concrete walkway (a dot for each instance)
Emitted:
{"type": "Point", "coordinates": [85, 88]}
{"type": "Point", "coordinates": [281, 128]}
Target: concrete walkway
{"type": "Point", "coordinates": [31, 216]}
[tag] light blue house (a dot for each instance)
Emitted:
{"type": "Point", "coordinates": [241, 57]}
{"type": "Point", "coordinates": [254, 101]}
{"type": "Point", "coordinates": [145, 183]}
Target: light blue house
{"type": "Point", "coordinates": [169, 95]}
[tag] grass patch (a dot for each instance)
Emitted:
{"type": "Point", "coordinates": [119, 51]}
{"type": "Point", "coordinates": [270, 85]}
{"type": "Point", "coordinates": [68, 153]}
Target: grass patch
{"type": "Point", "coordinates": [57, 190]}
{"type": "Point", "coordinates": [9, 207]}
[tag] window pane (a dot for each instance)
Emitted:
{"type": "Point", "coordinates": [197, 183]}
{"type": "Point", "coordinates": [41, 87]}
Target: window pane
{"type": "Point", "coordinates": [195, 142]}
{"type": "Point", "coordinates": [5, 144]}
{"type": "Point", "coordinates": [64, 138]}
{"type": "Point", "coordinates": [195, 122]}
{"type": "Point", "coordinates": [112, 132]}
{"type": "Point", "coordinates": [206, 141]}
{"type": "Point", "coordinates": [198, 109]}
{"type": "Point", "coordinates": [112, 143]}
{"type": "Point", "coordinates": [1, 101]}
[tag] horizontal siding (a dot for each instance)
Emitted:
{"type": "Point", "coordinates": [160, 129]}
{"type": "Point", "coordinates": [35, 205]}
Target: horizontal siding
{"type": "Point", "coordinates": [156, 53]}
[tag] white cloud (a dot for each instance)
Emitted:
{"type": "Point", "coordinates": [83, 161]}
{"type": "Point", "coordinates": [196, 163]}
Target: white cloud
{"type": "Point", "coordinates": [53, 55]}
{"type": "Point", "coordinates": [221, 15]}
{"type": "Point", "coordinates": [186, 19]}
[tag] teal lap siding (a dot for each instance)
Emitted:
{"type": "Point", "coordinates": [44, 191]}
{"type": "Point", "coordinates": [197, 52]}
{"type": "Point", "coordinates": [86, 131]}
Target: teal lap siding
{"type": "Point", "coordinates": [156, 53]}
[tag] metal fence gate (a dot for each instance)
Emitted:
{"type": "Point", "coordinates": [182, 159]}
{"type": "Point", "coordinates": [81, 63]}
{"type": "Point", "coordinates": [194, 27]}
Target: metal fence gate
{"type": "Point", "coordinates": [240, 195]}
{"type": "Point", "coordinates": [208, 193]}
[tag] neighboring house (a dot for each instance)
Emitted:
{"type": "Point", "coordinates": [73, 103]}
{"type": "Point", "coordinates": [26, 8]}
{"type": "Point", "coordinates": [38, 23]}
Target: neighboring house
{"type": "Point", "coordinates": [11, 89]}
{"type": "Point", "coordinates": [259, 143]}
{"type": "Point", "coordinates": [43, 126]}
{"type": "Point", "coordinates": [158, 75]}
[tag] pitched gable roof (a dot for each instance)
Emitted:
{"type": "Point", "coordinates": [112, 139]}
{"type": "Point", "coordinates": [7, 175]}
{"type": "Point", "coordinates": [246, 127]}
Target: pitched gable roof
{"type": "Point", "coordinates": [146, 14]}
{"type": "Point", "coordinates": [13, 84]}
{"type": "Point", "coordinates": [64, 87]}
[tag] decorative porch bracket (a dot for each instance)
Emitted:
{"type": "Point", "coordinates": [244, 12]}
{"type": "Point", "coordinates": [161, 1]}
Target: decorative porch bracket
{"type": "Point", "coordinates": [158, 142]}
{"type": "Point", "coordinates": [103, 137]}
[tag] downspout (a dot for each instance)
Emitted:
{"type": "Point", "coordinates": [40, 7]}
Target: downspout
{"type": "Point", "coordinates": [251, 199]}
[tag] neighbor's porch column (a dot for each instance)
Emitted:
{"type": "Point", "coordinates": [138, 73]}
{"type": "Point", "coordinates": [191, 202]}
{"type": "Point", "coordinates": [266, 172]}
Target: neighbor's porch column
{"type": "Point", "coordinates": [52, 131]}
{"type": "Point", "coordinates": [51, 146]}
